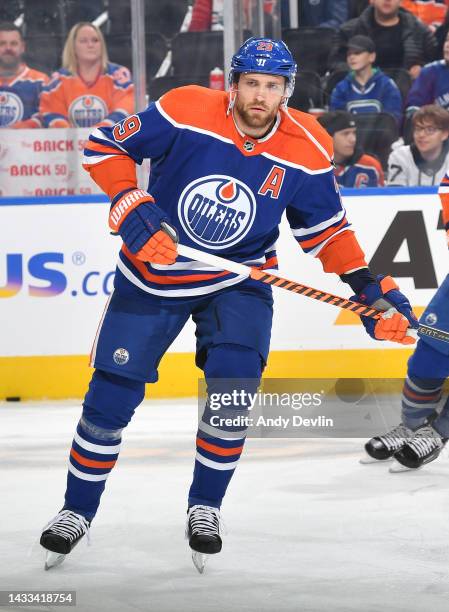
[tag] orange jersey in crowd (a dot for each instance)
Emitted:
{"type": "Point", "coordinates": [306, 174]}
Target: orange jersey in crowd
{"type": "Point", "coordinates": [68, 101]}
{"type": "Point", "coordinates": [19, 98]}
{"type": "Point", "coordinates": [431, 12]}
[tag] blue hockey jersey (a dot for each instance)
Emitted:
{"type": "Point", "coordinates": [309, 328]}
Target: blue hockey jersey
{"type": "Point", "coordinates": [224, 191]}
{"type": "Point", "coordinates": [431, 87]}
{"type": "Point", "coordinates": [379, 95]}
{"type": "Point", "coordinates": [19, 99]}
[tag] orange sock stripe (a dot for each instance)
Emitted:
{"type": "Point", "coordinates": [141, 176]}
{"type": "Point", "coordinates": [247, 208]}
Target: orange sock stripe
{"type": "Point", "coordinates": [90, 462]}
{"type": "Point", "coordinates": [212, 448]}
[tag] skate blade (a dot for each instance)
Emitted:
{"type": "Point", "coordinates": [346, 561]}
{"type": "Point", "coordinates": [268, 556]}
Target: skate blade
{"type": "Point", "coordinates": [397, 468]}
{"type": "Point", "coordinates": [367, 460]}
{"type": "Point", "coordinates": [53, 559]}
{"type": "Point", "coordinates": [199, 560]}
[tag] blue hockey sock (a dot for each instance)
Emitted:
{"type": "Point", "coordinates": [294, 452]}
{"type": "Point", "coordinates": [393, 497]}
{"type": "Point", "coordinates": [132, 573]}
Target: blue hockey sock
{"type": "Point", "coordinates": [108, 407]}
{"type": "Point", "coordinates": [93, 454]}
{"type": "Point", "coordinates": [420, 397]}
{"type": "Point", "coordinates": [219, 445]}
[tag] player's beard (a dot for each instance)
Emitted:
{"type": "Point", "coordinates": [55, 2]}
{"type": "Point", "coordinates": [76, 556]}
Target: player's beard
{"type": "Point", "coordinates": [254, 120]}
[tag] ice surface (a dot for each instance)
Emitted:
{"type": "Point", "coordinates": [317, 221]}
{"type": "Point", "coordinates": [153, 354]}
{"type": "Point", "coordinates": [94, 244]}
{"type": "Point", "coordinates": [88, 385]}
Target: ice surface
{"type": "Point", "coordinates": [310, 529]}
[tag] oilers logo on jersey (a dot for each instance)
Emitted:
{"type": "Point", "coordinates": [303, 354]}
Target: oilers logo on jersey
{"type": "Point", "coordinates": [86, 111]}
{"type": "Point", "coordinates": [217, 211]}
{"type": "Point", "coordinates": [11, 108]}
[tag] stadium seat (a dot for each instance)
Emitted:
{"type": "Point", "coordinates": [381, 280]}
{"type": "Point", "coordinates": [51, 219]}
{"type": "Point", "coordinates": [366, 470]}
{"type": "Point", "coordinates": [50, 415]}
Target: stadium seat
{"type": "Point", "coordinates": [402, 79]}
{"type": "Point", "coordinates": [308, 92]}
{"type": "Point", "coordinates": [310, 47]}
{"type": "Point", "coordinates": [376, 132]}
{"type": "Point", "coordinates": [330, 82]}
{"type": "Point", "coordinates": [164, 17]}
{"type": "Point", "coordinates": [120, 51]}
{"type": "Point", "coordinates": [45, 16]}
{"type": "Point", "coordinates": [197, 53]}
{"type": "Point", "coordinates": [11, 10]}
{"type": "Point", "coordinates": [82, 10]}
{"type": "Point", "coordinates": [161, 85]}
{"type": "Point", "coordinates": [44, 51]}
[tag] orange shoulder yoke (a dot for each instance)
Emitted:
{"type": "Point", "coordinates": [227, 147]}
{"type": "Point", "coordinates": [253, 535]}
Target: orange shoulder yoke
{"type": "Point", "coordinates": [198, 107]}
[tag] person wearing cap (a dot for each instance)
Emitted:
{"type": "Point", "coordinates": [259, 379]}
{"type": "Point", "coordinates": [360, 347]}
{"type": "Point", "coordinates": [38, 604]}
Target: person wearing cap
{"type": "Point", "coordinates": [366, 89]}
{"type": "Point", "coordinates": [353, 168]}
{"type": "Point", "coordinates": [400, 39]}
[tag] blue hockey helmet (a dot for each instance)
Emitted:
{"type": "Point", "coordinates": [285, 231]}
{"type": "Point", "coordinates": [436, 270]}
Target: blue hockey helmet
{"type": "Point", "coordinates": [266, 56]}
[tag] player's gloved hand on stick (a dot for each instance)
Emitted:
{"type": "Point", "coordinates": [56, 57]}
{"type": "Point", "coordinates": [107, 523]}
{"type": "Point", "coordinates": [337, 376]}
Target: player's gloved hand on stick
{"type": "Point", "coordinates": [138, 220]}
{"type": "Point", "coordinates": [399, 316]}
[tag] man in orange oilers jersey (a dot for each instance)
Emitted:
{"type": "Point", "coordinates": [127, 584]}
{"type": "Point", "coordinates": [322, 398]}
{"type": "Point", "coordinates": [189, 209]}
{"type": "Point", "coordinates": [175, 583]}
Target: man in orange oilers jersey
{"type": "Point", "coordinates": [224, 169]}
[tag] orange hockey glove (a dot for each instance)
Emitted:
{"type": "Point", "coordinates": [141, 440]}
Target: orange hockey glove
{"type": "Point", "coordinates": [144, 227]}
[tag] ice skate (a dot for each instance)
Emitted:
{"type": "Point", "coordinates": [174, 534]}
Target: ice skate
{"type": "Point", "coordinates": [382, 448]}
{"type": "Point", "coordinates": [61, 535]}
{"type": "Point", "coordinates": [424, 447]}
{"type": "Point", "coordinates": [203, 530]}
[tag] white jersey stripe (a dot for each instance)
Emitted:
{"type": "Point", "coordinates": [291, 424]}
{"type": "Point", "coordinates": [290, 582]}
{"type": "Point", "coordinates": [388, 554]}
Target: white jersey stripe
{"type": "Point", "coordinates": [90, 477]}
{"type": "Point", "coordinates": [320, 226]}
{"type": "Point", "coordinates": [215, 465]}
{"type": "Point", "coordinates": [96, 448]}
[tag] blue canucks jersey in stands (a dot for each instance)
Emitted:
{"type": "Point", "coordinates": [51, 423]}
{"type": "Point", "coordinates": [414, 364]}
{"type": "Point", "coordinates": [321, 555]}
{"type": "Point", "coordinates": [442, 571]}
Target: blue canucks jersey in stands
{"type": "Point", "coordinates": [379, 94]}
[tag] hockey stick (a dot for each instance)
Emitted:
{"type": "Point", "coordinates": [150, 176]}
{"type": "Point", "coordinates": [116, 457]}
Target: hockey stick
{"type": "Point", "coordinates": [310, 292]}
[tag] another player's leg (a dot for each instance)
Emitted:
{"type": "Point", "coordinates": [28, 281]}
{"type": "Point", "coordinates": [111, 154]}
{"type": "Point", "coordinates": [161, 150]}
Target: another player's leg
{"type": "Point", "coordinates": [108, 407]}
{"type": "Point", "coordinates": [229, 369]}
{"type": "Point", "coordinates": [427, 370]}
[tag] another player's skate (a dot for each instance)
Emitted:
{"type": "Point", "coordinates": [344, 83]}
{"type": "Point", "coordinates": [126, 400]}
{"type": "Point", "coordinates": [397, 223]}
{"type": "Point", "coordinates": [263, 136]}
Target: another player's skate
{"type": "Point", "coordinates": [382, 448]}
{"type": "Point", "coordinates": [61, 534]}
{"type": "Point", "coordinates": [203, 530]}
{"type": "Point", "coordinates": [424, 447]}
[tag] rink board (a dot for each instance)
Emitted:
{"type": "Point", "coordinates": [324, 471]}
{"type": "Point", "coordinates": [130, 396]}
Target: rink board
{"type": "Point", "coordinates": [57, 262]}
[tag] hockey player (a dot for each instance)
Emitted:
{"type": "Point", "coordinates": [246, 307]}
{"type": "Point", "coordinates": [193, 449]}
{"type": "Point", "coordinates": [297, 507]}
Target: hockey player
{"type": "Point", "coordinates": [423, 432]}
{"type": "Point", "coordinates": [88, 90]}
{"type": "Point", "coordinates": [224, 169]}
{"type": "Point", "coordinates": [20, 85]}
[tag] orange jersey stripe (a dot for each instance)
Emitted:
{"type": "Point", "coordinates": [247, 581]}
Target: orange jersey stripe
{"type": "Point", "coordinates": [272, 261]}
{"type": "Point", "coordinates": [101, 148]}
{"type": "Point", "coordinates": [212, 448]}
{"type": "Point", "coordinates": [167, 280]}
{"type": "Point", "coordinates": [331, 230]}
{"type": "Point", "coordinates": [90, 462]}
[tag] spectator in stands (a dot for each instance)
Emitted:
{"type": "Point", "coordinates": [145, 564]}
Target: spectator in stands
{"type": "Point", "coordinates": [20, 86]}
{"type": "Point", "coordinates": [431, 12]}
{"type": "Point", "coordinates": [208, 15]}
{"type": "Point", "coordinates": [425, 161]}
{"type": "Point", "coordinates": [353, 168]}
{"type": "Point", "coordinates": [323, 13]}
{"type": "Point", "coordinates": [366, 89]}
{"type": "Point", "coordinates": [432, 85]}
{"type": "Point", "coordinates": [400, 39]}
{"type": "Point", "coordinates": [88, 90]}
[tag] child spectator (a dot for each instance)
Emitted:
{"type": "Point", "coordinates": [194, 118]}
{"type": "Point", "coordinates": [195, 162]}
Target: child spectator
{"type": "Point", "coordinates": [400, 39]}
{"type": "Point", "coordinates": [425, 161]}
{"type": "Point", "coordinates": [353, 168]}
{"type": "Point", "coordinates": [20, 86]}
{"type": "Point", "coordinates": [432, 85]}
{"type": "Point", "coordinates": [88, 90]}
{"type": "Point", "coordinates": [366, 89]}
